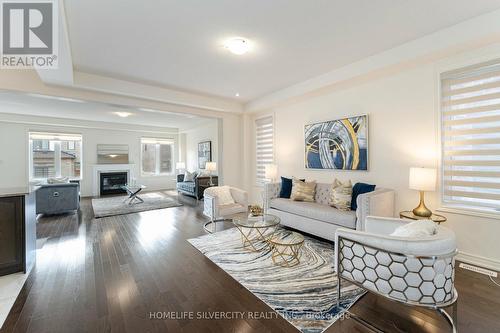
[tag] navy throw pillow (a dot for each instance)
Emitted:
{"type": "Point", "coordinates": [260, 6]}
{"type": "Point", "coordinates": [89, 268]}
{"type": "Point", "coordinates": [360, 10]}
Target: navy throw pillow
{"type": "Point", "coordinates": [360, 188]}
{"type": "Point", "coordinates": [286, 187]}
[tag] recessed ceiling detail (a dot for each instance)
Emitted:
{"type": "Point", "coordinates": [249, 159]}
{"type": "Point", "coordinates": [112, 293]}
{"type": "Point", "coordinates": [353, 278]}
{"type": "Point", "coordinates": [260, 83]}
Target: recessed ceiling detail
{"type": "Point", "coordinates": [294, 40]}
{"type": "Point", "coordinates": [52, 106]}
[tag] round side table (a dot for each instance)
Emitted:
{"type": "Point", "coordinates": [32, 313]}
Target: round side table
{"type": "Point", "coordinates": [286, 248]}
{"type": "Point", "coordinates": [408, 214]}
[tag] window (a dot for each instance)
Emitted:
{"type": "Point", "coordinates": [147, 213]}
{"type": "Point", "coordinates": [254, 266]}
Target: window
{"type": "Point", "coordinates": [55, 155]}
{"type": "Point", "coordinates": [470, 103]}
{"type": "Point", "coordinates": [156, 156]}
{"type": "Point", "coordinates": [264, 144]}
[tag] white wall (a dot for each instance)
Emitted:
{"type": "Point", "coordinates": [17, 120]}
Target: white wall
{"type": "Point", "coordinates": [403, 132]}
{"type": "Point", "coordinates": [14, 150]}
{"type": "Point", "coordinates": [206, 132]}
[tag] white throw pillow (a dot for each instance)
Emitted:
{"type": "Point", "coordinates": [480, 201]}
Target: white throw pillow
{"type": "Point", "coordinates": [189, 176]}
{"type": "Point", "coordinates": [223, 193]}
{"type": "Point", "coordinates": [416, 229]}
{"type": "Point", "coordinates": [58, 180]}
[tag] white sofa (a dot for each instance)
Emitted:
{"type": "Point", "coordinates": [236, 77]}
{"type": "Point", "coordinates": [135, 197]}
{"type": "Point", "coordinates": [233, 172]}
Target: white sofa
{"type": "Point", "coordinates": [320, 219]}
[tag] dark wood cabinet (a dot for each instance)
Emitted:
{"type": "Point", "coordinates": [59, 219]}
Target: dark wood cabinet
{"type": "Point", "coordinates": [12, 235]}
{"type": "Point", "coordinates": [17, 231]}
{"type": "Point", "coordinates": [204, 183]}
{"type": "Point", "coordinates": [197, 187]}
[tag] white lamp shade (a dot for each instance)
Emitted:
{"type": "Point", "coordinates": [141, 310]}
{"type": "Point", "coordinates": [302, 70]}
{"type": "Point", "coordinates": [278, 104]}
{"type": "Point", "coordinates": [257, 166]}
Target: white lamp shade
{"type": "Point", "coordinates": [423, 179]}
{"type": "Point", "coordinates": [180, 165]}
{"type": "Point", "coordinates": [211, 166]}
{"type": "Point", "coordinates": [270, 171]}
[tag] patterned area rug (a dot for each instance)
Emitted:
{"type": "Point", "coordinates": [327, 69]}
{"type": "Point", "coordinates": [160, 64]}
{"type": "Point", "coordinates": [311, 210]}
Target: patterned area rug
{"type": "Point", "coordinates": [305, 295]}
{"type": "Point", "coordinates": [118, 205]}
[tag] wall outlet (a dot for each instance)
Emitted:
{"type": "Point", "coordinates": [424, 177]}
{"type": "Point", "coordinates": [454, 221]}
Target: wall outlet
{"type": "Point", "coordinates": [478, 270]}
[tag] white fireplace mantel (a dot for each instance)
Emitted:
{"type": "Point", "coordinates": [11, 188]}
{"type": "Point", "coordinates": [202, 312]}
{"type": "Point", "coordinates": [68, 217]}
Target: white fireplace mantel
{"type": "Point", "coordinates": [98, 168]}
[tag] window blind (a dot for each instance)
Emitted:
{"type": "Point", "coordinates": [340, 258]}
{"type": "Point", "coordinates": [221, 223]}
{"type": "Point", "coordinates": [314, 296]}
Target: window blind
{"type": "Point", "coordinates": [470, 104]}
{"type": "Point", "coordinates": [159, 141]}
{"type": "Point", "coordinates": [54, 136]}
{"type": "Point", "coordinates": [264, 143]}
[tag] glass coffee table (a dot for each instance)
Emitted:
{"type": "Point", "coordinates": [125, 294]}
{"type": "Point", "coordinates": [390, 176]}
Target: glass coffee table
{"type": "Point", "coordinates": [133, 193]}
{"type": "Point", "coordinates": [256, 231]}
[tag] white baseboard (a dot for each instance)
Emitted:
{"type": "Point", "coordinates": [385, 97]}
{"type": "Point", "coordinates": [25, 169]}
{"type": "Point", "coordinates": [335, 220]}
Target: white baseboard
{"type": "Point", "coordinates": [479, 261]}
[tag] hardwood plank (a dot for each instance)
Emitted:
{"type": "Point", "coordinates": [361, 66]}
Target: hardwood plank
{"type": "Point", "coordinates": [113, 274]}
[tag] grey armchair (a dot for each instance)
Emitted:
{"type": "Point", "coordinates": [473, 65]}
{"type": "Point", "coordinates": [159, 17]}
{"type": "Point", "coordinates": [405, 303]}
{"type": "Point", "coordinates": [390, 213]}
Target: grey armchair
{"type": "Point", "coordinates": [412, 271]}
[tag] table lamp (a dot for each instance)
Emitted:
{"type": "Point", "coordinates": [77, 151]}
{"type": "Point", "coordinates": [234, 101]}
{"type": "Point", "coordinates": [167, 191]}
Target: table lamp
{"type": "Point", "coordinates": [210, 167]}
{"type": "Point", "coordinates": [180, 166]}
{"type": "Point", "coordinates": [422, 179]}
{"type": "Point", "coordinates": [271, 172]}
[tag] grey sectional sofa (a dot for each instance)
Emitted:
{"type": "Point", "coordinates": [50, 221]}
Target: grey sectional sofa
{"type": "Point", "coordinates": [318, 218]}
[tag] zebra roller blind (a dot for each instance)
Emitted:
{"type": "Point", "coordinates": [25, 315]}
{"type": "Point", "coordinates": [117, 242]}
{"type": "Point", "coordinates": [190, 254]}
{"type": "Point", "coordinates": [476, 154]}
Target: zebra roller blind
{"type": "Point", "coordinates": [470, 104]}
{"type": "Point", "coordinates": [264, 144]}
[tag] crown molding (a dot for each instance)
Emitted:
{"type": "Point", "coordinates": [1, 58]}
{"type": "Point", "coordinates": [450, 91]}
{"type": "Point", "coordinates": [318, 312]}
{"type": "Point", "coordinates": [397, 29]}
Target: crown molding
{"type": "Point", "coordinates": [98, 83]}
{"type": "Point", "coordinates": [54, 122]}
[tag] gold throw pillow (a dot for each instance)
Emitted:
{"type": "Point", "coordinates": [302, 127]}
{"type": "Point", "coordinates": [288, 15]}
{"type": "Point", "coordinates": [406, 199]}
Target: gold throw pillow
{"type": "Point", "coordinates": [341, 194]}
{"type": "Point", "coordinates": [303, 191]}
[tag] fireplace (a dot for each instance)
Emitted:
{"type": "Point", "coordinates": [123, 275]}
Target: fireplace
{"type": "Point", "coordinates": [112, 182]}
{"type": "Point", "coordinates": [98, 169]}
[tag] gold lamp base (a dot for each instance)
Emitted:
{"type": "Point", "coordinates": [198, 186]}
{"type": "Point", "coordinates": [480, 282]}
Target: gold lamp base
{"type": "Point", "coordinates": [421, 209]}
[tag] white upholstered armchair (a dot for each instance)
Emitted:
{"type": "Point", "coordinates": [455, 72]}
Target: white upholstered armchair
{"type": "Point", "coordinates": [414, 271]}
{"type": "Point", "coordinates": [219, 211]}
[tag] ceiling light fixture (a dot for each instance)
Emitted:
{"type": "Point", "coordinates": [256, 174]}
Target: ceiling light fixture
{"type": "Point", "coordinates": [123, 114]}
{"type": "Point", "coordinates": [237, 95]}
{"type": "Point", "coordinates": [237, 45]}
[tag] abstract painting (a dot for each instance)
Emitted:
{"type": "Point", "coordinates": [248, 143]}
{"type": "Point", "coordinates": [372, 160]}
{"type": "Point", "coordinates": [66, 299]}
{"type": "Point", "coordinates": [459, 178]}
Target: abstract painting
{"type": "Point", "coordinates": [204, 153]}
{"type": "Point", "coordinates": [337, 144]}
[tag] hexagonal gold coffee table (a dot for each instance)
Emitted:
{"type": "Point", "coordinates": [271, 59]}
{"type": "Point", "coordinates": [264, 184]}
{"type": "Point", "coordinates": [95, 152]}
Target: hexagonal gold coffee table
{"type": "Point", "coordinates": [286, 248]}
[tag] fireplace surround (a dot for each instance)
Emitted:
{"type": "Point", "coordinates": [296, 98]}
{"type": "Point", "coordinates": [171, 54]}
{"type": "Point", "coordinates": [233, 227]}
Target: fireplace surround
{"type": "Point", "coordinates": [98, 169]}
{"type": "Point", "coordinates": [112, 182]}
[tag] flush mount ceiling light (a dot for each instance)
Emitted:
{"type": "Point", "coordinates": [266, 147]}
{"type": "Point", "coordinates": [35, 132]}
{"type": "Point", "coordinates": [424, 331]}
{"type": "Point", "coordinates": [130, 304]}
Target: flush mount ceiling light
{"type": "Point", "coordinates": [123, 114]}
{"type": "Point", "coordinates": [237, 45]}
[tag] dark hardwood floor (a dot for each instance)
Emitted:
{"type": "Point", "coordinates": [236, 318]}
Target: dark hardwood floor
{"type": "Point", "coordinates": [114, 274]}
